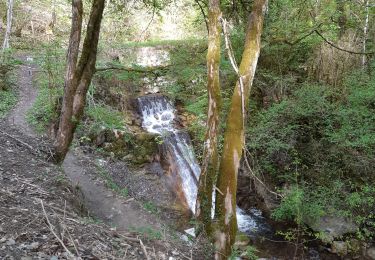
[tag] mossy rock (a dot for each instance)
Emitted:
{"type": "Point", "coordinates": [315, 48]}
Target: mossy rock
{"type": "Point", "coordinates": [242, 239]}
{"type": "Point", "coordinates": [144, 148]}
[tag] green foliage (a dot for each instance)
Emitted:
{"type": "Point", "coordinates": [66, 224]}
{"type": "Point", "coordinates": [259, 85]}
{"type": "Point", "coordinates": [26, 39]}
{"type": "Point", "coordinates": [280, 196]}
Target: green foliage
{"type": "Point", "coordinates": [8, 97]}
{"type": "Point", "coordinates": [7, 100]}
{"type": "Point", "coordinates": [298, 207]}
{"type": "Point", "coordinates": [251, 253]}
{"type": "Point", "coordinates": [319, 145]}
{"type": "Point", "coordinates": [103, 116]}
{"type": "Point", "coordinates": [50, 82]}
{"type": "Point", "coordinates": [148, 232]}
{"type": "Point", "coordinates": [358, 110]}
{"type": "Point", "coordinates": [187, 70]}
{"type": "Point", "coordinates": [43, 111]}
{"type": "Point", "coordinates": [150, 207]}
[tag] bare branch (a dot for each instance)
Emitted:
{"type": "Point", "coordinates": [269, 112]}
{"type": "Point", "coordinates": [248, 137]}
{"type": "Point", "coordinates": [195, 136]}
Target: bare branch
{"type": "Point", "coordinates": [339, 48]}
{"type": "Point", "coordinates": [203, 14]}
{"type": "Point", "coordinates": [53, 232]}
{"type": "Point", "coordinates": [132, 69]}
{"type": "Point", "coordinates": [144, 249]}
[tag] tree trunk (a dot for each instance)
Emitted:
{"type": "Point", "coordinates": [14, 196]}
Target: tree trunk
{"type": "Point", "coordinates": [365, 32]}
{"type": "Point", "coordinates": [9, 25]}
{"type": "Point", "coordinates": [78, 77]}
{"type": "Point", "coordinates": [225, 214]}
{"type": "Point", "coordinates": [210, 163]}
{"type": "Point", "coordinates": [342, 19]}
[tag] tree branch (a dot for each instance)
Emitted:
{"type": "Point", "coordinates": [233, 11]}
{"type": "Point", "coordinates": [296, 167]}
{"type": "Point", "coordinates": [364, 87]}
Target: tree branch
{"type": "Point", "coordinates": [204, 15]}
{"type": "Point", "coordinates": [131, 69]}
{"type": "Point", "coordinates": [339, 48]}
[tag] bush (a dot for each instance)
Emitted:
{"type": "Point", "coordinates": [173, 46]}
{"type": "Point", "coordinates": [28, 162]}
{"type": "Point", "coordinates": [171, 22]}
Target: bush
{"type": "Point", "coordinates": [323, 141]}
{"type": "Point", "coordinates": [50, 86]}
{"type": "Point", "coordinates": [8, 97]}
{"type": "Point", "coordinates": [7, 100]}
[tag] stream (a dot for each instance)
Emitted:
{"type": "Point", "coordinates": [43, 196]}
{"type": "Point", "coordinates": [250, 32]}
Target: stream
{"type": "Point", "coordinates": [158, 115]}
{"type": "Point", "coordinates": [176, 151]}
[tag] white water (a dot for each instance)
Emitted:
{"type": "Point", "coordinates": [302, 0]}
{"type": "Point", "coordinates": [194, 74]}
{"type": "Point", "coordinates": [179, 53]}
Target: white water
{"type": "Point", "coordinates": [158, 115]}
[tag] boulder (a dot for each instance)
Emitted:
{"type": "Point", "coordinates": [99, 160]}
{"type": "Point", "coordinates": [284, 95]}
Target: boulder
{"type": "Point", "coordinates": [332, 227]}
{"type": "Point", "coordinates": [339, 247]}
{"type": "Point", "coordinates": [371, 253]}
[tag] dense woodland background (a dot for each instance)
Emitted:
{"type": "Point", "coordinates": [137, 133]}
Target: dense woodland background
{"type": "Point", "coordinates": [310, 132]}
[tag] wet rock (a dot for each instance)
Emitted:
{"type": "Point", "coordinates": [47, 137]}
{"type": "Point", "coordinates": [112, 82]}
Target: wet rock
{"type": "Point", "coordinates": [10, 242]}
{"type": "Point", "coordinates": [339, 247]}
{"type": "Point", "coordinates": [137, 122]}
{"type": "Point", "coordinates": [313, 254]}
{"type": "Point", "coordinates": [332, 227]}
{"type": "Point", "coordinates": [155, 168]}
{"type": "Point", "coordinates": [242, 240]}
{"type": "Point", "coordinates": [354, 245]}
{"type": "Point", "coordinates": [128, 157]}
{"type": "Point", "coordinates": [161, 256]}
{"type": "Point", "coordinates": [371, 253]}
{"type": "Point", "coordinates": [190, 232]}
{"type": "Point", "coordinates": [33, 246]}
{"type": "Point", "coordinates": [100, 139]}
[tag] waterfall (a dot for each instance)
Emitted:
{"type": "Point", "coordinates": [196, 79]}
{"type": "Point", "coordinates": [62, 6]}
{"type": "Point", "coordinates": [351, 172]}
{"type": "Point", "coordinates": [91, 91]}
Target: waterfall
{"type": "Point", "coordinates": [158, 116]}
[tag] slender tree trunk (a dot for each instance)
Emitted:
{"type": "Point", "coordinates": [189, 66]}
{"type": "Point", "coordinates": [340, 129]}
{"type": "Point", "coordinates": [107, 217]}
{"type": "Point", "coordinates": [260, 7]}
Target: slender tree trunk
{"type": "Point", "coordinates": [342, 20]}
{"type": "Point", "coordinates": [365, 33]}
{"type": "Point", "coordinates": [78, 77]}
{"type": "Point", "coordinates": [225, 214]}
{"type": "Point", "coordinates": [9, 25]}
{"type": "Point", "coordinates": [210, 163]}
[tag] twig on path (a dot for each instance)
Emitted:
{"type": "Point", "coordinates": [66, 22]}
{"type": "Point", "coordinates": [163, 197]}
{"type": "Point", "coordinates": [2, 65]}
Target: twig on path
{"type": "Point", "coordinates": [144, 249]}
{"type": "Point", "coordinates": [19, 141]}
{"type": "Point", "coordinates": [67, 231]}
{"type": "Point", "coordinates": [53, 232]}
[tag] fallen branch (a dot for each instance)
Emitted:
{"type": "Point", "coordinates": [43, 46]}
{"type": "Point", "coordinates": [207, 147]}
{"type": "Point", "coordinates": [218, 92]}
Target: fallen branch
{"type": "Point", "coordinates": [19, 141]}
{"type": "Point", "coordinates": [144, 249]}
{"type": "Point", "coordinates": [132, 69]}
{"type": "Point", "coordinates": [256, 177]}
{"type": "Point", "coordinates": [53, 232]}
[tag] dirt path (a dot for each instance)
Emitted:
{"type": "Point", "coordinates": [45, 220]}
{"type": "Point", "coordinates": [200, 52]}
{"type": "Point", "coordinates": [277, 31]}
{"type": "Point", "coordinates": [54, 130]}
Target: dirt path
{"type": "Point", "coordinates": [123, 213]}
{"type": "Point", "coordinates": [27, 96]}
{"type": "Point", "coordinates": [99, 200]}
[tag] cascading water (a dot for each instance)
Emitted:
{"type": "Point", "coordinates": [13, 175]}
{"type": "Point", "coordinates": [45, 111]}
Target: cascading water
{"type": "Point", "coordinates": [158, 115]}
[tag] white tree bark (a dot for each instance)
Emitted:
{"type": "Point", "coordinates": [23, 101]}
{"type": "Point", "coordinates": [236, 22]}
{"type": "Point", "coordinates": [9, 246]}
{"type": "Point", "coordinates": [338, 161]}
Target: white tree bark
{"type": "Point", "coordinates": [365, 33]}
{"type": "Point", "coordinates": [9, 24]}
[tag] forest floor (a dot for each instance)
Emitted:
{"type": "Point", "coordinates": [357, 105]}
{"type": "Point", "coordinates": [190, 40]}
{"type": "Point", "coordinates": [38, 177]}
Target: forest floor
{"type": "Point", "coordinates": [54, 212]}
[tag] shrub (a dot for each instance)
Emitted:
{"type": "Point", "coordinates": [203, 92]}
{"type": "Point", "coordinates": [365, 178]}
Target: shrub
{"type": "Point", "coordinates": [319, 145]}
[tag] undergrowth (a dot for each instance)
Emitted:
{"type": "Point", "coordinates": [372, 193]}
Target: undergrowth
{"type": "Point", "coordinates": [318, 147]}
{"type": "Point", "coordinates": [8, 99]}
{"type": "Point", "coordinates": [50, 82]}
{"type": "Point", "coordinates": [8, 95]}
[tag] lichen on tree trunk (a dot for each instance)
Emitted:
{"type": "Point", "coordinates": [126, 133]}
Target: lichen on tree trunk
{"type": "Point", "coordinates": [210, 163]}
{"type": "Point", "coordinates": [9, 24]}
{"type": "Point", "coordinates": [225, 214]}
